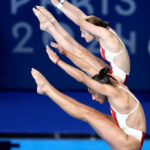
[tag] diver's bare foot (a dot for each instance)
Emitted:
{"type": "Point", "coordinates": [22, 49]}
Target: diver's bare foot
{"type": "Point", "coordinates": [44, 22]}
{"type": "Point", "coordinates": [42, 83]}
{"type": "Point", "coordinates": [48, 14]}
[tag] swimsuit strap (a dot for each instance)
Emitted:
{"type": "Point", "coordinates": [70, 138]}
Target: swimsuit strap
{"type": "Point", "coordinates": [110, 29]}
{"type": "Point", "coordinates": [114, 54]}
{"type": "Point", "coordinates": [133, 97]}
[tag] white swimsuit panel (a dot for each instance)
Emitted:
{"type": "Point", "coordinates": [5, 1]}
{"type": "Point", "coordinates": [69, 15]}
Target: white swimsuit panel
{"type": "Point", "coordinates": [122, 119]}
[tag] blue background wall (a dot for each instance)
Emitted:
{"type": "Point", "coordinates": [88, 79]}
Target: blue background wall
{"type": "Point", "coordinates": [28, 112]}
{"type": "Point", "coordinates": [22, 46]}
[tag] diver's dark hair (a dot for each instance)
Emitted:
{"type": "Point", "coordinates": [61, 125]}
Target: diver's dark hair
{"type": "Point", "coordinates": [103, 76]}
{"type": "Point", "coordinates": [97, 21]}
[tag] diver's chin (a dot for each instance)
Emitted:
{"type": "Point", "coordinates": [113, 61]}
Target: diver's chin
{"type": "Point", "coordinates": [88, 41]}
{"type": "Point", "coordinates": [102, 101]}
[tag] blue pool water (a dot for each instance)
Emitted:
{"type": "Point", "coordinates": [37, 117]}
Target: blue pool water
{"type": "Point", "coordinates": [45, 144]}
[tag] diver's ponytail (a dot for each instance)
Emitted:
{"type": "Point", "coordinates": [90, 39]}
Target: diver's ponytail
{"type": "Point", "coordinates": [103, 76]}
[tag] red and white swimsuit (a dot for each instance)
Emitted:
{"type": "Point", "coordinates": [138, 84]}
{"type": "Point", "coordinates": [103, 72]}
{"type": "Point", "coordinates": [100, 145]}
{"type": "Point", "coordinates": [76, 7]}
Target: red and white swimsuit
{"type": "Point", "coordinates": [109, 56]}
{"type": "Point", "coordinates": [121, 120]}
